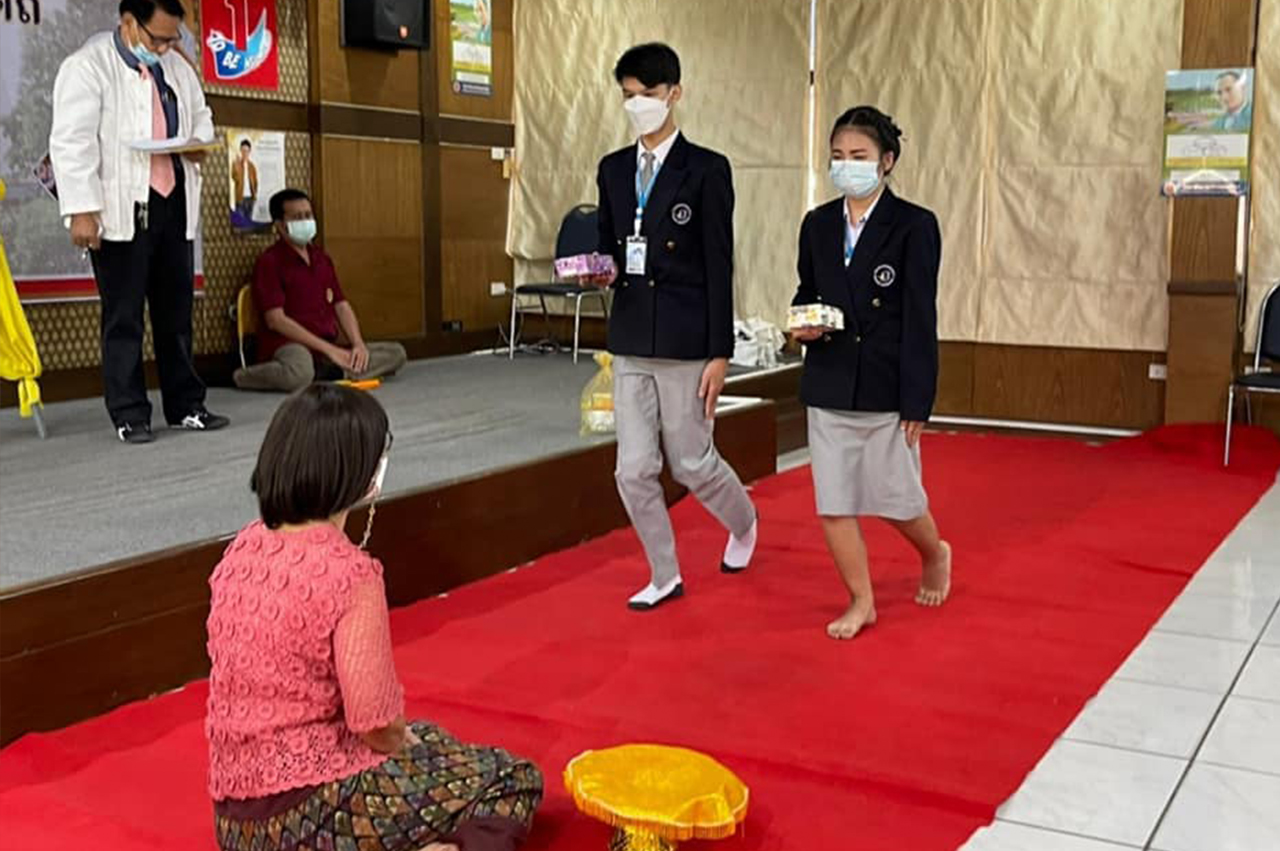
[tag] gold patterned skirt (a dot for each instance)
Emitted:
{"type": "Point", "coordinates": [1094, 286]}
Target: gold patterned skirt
{"type": "Point", "coordinates": [438, 791]}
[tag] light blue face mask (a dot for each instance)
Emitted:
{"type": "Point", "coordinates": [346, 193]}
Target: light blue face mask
{"type": "Point", "coordinates": [855, 178]}
{"type": "Point", "coordinates": [145, 55]}
{"type": "Point", "coordinates": [301, 231]}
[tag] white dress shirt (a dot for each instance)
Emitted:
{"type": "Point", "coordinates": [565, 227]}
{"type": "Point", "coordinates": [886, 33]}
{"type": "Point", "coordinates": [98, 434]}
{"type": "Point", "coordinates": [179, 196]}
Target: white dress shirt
{"type": "Point", "coordinates": [853, 230]}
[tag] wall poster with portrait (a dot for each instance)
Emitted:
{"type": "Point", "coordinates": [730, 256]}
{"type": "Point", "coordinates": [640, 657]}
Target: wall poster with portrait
{"type": "Point", "coordinates": [1207, 127]}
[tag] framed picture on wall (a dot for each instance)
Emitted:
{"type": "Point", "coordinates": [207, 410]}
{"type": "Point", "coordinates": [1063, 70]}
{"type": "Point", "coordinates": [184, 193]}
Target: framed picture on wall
{"type": "Point", "coordinates": [1207, 125]}
{"type": "Point", "coordinates": [471, 46]}
{"type": "Point", "coordinates": [256, 171]}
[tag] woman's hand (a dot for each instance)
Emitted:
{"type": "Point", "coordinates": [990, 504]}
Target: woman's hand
{"type": "Point", "coordinates": [912, 430]}
{"type": "Point", "coordinates": [389, 739]}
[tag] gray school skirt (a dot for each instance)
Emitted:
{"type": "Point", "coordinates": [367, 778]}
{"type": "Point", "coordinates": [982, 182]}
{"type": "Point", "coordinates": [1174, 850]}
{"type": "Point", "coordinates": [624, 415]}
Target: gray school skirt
{"type": "Point", "coordinates": [862, 466]}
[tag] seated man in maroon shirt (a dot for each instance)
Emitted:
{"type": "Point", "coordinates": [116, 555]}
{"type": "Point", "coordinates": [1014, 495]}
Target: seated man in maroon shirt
{"type": "Point", "coordinates": [308, 330]}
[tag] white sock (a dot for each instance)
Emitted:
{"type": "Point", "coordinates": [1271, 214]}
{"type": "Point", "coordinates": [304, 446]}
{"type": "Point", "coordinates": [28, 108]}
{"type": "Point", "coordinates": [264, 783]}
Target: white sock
{"type": "Point", "coordinates": [738, 552]}
{"type": "Point", "coordinates": [652, 593]}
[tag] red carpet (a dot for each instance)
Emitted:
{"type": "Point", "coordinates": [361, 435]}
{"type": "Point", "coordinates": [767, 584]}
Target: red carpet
{"type": "Point", "coordinates": [907, 739]}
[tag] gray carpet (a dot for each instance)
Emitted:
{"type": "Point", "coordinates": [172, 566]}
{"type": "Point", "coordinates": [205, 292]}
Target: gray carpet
{"type": "Point", "coordinates": [82, 498]}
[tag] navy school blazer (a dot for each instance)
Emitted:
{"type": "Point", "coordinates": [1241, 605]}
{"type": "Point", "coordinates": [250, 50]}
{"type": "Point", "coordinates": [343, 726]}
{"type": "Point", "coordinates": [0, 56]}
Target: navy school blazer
{"type": "Point", "coordinates": [886, 358]}
{"type": "Point", "coordinates": [682, 307]}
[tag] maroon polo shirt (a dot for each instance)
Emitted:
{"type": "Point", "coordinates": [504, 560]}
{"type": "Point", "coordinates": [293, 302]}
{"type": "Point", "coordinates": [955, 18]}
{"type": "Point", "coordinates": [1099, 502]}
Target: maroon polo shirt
{"type": "Point", "coordinates": [308, 293]}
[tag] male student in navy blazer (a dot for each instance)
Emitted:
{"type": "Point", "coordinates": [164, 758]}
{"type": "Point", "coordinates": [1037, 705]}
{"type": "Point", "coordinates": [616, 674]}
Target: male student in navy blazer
{"type": "Point", "coordinates": [666, 217]}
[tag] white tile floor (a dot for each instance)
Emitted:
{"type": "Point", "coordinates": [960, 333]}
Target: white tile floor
{"type": "Point", "coordinates": [1180, 751]}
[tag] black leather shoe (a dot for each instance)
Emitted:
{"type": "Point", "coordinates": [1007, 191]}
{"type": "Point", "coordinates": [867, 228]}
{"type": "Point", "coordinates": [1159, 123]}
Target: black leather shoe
{"type": "Point", "coordinates": [201, 421]}
{"type": "Point", "coordinates": [135, 433]}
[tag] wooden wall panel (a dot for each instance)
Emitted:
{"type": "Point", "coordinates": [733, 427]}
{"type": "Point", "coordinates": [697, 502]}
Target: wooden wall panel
{"type": "Point", "coordinates": [386, 79]}
{"type": "Point", "coordinates": [1203, 241]}
{"type": "Point", "coordinates": [1203, 337]}
{"type": "Point", "coordinates": [473, 206]}
{"type": "Point", "coordinates": [1202, 351]}
{"type": "Point", "coordinates": [372, 224]}
{"type": "Point", "coordinates": [497, 107]}
{"type": "Point", "coordinates": [1218, 33]}
{"type": "Point", "coordinates": [955, 379]}
{"type": "Point", "coordinates": [1075, 386]}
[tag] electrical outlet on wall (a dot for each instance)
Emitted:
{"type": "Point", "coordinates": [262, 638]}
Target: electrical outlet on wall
{"type": "Point", "coordinates": [1157, 371]}
{"type": "Point", "coordinates": [497, 288]}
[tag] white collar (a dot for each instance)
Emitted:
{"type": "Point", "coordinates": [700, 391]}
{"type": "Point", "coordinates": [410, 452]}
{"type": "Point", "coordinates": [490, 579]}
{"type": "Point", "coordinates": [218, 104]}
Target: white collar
{"type": "Point", "coordinates": [659, 153]}
{"type": "Point", "coordinates": [844, 208]}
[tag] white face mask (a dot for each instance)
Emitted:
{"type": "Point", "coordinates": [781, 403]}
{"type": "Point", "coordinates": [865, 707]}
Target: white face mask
{"type": "Point", "coordinates": [855, 178]}
{"type": "Point", "coordinates": [647, 114]}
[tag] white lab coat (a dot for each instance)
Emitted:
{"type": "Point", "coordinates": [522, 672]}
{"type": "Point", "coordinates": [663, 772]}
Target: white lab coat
{"type": "Point", "coordinates": [100, 107]}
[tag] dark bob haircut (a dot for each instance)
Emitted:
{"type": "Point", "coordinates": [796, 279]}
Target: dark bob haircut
{"type": "Point", "coordinates": [652, 64]}
{"type": "Point", "coordinates": [320, 454]}
{"type": "Point", "coordinates": [874, 123]}
{"type": "Point", "coordinates": [284, 196]}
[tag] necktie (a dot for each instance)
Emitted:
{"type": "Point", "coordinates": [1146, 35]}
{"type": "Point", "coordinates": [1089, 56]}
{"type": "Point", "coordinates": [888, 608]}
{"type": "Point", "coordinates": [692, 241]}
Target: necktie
{"type": "Point", "coordinates": [162, 178]}
{"type": "Point", "coordinates": [646, 170]}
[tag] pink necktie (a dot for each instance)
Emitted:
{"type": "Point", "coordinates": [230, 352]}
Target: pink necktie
{"type": "Point", "coordinates": [162, 179]}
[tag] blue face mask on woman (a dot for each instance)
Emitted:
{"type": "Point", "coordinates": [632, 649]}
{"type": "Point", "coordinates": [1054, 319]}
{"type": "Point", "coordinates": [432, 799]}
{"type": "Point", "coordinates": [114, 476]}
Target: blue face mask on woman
{"type": "Point", "coordinates": [855, 178]}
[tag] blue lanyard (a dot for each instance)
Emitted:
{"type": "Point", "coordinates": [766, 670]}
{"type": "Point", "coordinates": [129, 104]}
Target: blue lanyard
{"type": "Point", "coordinates": [848, 244]}
{"type": "Point", "coordinates": [643, 192]}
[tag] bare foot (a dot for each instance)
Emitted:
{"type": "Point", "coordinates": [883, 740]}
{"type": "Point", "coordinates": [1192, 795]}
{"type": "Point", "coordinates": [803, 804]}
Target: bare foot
{"type": "Point", "coordinates": [859, 615]}
{"type": "Point", "coordinates": [935, 579]}
{"type": "Point", "coordinates": [441, 846]}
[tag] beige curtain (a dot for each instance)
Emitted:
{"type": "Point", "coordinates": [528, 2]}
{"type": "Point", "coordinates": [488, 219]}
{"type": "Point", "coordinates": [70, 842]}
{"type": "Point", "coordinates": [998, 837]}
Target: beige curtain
{"type": "Point", "coordinates": [1033, 130]}
{"type": "Point", "coordinates": [745, 70]}
{"type": "Point", "coordinates": [1264, 248]}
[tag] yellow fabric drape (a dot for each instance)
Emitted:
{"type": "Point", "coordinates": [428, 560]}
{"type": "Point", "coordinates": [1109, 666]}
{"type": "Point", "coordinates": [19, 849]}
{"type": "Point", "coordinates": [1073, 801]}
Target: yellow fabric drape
{"type": "Point", "coordinates": [19, 360]}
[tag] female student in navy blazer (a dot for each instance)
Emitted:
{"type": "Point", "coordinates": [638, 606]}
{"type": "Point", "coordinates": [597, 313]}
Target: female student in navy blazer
{"type": "Point", "coordinates": [870, 387]}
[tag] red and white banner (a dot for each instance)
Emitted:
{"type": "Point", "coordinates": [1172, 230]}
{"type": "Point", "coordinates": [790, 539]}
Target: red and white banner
{"type": "Point", "coordinates": [240, 43]}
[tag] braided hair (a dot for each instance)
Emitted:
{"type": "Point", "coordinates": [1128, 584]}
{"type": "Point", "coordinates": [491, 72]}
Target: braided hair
{"type": "Point", "coordinates": [875, 124]}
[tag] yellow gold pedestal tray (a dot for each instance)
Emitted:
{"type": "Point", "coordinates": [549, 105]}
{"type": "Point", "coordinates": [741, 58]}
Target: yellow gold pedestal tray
{"type": "Point", "coordinates": [657, 796]}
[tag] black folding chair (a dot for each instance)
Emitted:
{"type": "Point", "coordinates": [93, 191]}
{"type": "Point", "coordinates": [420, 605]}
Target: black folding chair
{"type": "Point", "coordinates": [579, 234]}
{"type": "Point", "coordinates": [1258, 378]}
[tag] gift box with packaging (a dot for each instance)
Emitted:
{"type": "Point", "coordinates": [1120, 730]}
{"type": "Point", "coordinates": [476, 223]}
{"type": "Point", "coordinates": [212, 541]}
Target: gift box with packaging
{"type": "Point", "coordinates": [584, 266]}
{"type": "Point", "coordinates": [815, 316]}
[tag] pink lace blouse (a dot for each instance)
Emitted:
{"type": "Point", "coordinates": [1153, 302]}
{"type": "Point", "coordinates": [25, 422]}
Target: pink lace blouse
{"type": "Point", "coordinates": [301, 651]}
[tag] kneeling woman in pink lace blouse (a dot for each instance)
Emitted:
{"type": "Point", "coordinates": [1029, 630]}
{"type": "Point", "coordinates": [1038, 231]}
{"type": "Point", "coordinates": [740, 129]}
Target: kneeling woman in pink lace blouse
{"type": "Point", "coordinates": [308, 746]}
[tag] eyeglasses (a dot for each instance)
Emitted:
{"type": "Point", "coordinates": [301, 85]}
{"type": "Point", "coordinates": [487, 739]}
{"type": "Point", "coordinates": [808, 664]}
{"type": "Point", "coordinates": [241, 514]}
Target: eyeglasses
{"type": "Point", "coordinates": [161, 40]}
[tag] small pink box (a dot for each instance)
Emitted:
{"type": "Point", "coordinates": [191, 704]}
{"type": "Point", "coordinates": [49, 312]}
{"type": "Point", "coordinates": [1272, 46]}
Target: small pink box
{"type": "Point", "coordinates": [584, 266]}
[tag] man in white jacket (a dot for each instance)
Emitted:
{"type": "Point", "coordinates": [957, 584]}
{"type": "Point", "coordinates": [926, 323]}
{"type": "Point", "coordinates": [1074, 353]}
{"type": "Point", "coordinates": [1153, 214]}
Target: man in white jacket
{"type": "Point", "coordinates": [136, 213]}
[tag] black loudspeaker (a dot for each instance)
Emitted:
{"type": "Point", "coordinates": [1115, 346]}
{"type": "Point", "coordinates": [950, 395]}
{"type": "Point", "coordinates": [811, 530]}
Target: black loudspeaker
{"type": "Point", "coordinates": [387, 24]}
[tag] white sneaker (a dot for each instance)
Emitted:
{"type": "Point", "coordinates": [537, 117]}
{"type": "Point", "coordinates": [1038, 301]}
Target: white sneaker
{"type": "Point", "coordinates": [738, 552]}
{"type": "Point", "coordinates": [652, 596]}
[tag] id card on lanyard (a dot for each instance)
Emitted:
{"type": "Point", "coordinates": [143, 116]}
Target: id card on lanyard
{"type": "Point", "coordinates": [637, 246]}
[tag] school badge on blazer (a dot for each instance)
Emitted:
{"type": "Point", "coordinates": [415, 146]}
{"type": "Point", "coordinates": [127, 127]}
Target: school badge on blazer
{"type": "Point", "coordinates": [682, 214]}
{"type": "Point", "coordinates": [884, 275]}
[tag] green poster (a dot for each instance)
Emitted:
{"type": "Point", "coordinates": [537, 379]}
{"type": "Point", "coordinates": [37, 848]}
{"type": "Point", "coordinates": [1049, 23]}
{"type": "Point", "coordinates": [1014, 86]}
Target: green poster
{"type": "Point", "coordinates": [1208, 120]}
{"type": "Point", "coordinates": [471, 40]}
